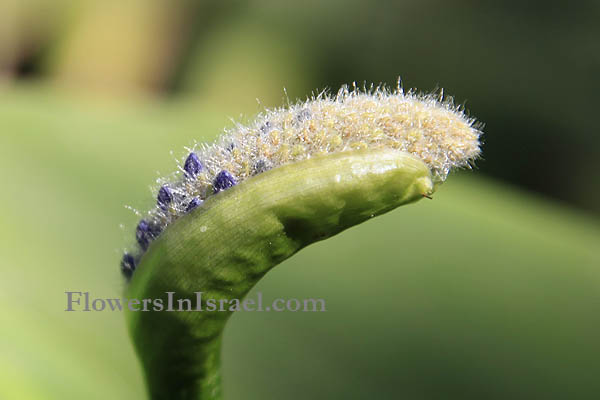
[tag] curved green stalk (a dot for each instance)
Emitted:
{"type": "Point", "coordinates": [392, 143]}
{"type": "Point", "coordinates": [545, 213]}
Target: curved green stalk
{"type": "Point", "coordinates": [224, 247]}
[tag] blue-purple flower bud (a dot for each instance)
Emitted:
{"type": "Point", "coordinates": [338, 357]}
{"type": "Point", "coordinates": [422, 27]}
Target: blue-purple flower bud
{"type": "Point", "coordinates": [127, 265]}
{"type": "Point", "coordinates": [223, 180]}
{"type": "Point", "coordinates": [146, 232]}
{"type": "Point", "coordinates": [193, 204]}
{"type": "Point", "coordinates": [192, 165]}
{"type": "Point", "coordinates": [164, 198]}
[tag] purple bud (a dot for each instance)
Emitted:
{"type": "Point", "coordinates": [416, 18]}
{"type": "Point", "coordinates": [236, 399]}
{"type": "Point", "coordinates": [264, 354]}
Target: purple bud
{"type": "Point", "coordinates": [223, 180]}
{"type": "Point", "coordinates": [145, 233]}
{"type": "Point", "coordinates": [141, 234]}
{"type": "Point", "coordinates": [192, 165]}
{"type": "Point", "coordinates": [127, 265]}
{"type": "Point", "coordinates": [164, 198]}
{"type": "Point", "coordinates": [193, 204]}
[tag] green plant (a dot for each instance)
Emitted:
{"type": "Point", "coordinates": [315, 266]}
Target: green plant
{"type": "Point", "coordinates": [306, 173]}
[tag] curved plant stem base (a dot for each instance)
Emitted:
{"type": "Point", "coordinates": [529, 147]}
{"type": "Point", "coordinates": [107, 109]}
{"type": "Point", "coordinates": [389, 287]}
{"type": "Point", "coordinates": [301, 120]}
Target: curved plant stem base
{"type": "Point", "coordinates": [224, 247]}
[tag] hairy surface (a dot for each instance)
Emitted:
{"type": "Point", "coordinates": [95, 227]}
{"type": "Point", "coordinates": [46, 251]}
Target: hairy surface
{"type": "Point", "coordinates": [427, 126]}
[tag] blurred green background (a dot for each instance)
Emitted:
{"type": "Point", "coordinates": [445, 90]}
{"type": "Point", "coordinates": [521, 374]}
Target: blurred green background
{"type": "Point", "coordinates": [489, 291]}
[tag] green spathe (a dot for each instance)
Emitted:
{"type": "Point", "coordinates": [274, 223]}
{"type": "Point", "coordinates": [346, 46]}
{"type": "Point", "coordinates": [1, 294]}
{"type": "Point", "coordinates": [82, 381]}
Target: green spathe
{"type": "Point", "coordinates": [224, 247]}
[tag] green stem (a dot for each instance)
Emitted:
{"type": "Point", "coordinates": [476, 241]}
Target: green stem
{"type": "Point", "coordinates": [223, 248]}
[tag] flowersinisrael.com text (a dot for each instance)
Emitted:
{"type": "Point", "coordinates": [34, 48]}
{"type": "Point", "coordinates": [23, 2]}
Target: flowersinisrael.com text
{"type": "Point", "coordinates": [83, 301]}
